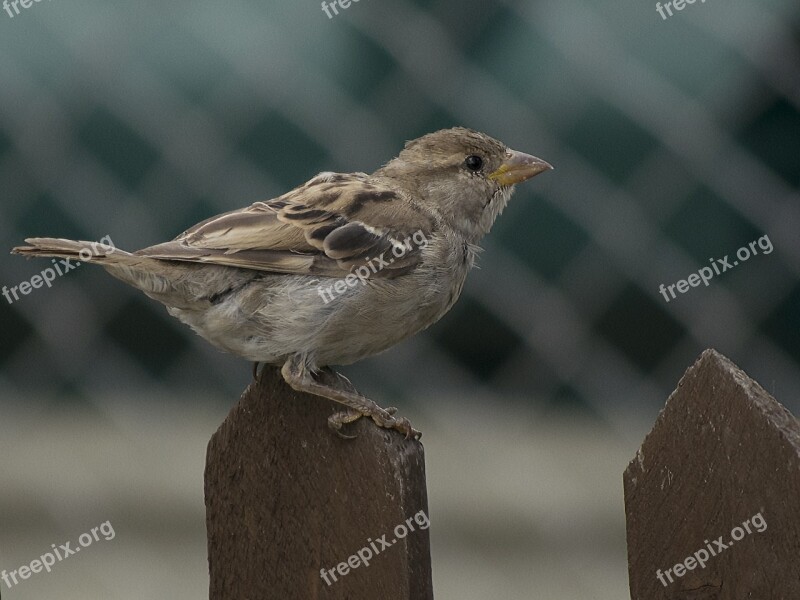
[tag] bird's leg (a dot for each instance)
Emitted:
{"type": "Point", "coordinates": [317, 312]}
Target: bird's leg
{"type": "Point", "coordinates": [338, 388]}
{"type": "Point", "coordinates": [329, 377]}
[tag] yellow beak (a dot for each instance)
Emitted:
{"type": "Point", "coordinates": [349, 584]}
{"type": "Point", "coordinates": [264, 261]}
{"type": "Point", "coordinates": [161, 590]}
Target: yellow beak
{"type": "Point", "coordinates": [518, 167]}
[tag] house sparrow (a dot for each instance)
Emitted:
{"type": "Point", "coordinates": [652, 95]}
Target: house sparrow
{"type": "Point", "coordinates": [338, 269]}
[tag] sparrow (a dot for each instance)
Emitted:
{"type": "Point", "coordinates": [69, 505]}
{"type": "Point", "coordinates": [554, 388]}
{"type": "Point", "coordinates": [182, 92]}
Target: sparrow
{"type": "Point", "coordinates": [338, 269]}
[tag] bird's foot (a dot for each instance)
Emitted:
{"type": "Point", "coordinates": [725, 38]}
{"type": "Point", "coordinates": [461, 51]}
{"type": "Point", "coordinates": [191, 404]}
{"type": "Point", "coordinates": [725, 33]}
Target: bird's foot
{"type": "Point", "coordinates": [329, 384]}
{"type": "Point", "coordinates": [337, 420]}
{"type": "Point", "coordinates": [383, 418]}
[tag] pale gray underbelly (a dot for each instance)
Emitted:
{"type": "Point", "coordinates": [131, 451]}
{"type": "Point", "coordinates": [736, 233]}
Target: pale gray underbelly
{"type": "Point", "coordinates": [272, 318]}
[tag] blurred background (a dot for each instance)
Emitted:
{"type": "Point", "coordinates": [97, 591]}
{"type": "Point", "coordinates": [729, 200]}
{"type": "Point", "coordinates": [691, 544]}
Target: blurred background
{"type": "Point", "coordinates": [674, 141]}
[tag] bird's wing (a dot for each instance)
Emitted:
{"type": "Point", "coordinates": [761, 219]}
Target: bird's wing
{"type": "Point", "coordinates": [326, 227]}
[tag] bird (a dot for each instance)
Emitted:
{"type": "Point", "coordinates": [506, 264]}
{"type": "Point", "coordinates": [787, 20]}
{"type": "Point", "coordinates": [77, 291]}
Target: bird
{"type": "Point", "coordinates": [338, 269]}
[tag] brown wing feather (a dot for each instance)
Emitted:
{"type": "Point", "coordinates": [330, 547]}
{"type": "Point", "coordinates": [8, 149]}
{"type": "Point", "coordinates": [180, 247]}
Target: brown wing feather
{"type": "Point", "coordinates": [326, 227]}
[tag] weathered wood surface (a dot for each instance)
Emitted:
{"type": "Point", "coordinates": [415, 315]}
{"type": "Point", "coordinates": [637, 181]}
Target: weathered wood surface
{"type": "Point", "coordinates": [285, 498]}
{"type": "Point", "coordinates": [722, 453]}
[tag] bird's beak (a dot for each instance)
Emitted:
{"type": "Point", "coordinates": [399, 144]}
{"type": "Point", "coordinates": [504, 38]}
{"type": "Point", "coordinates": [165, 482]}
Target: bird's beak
{"type": "Point", "coordinates": [518, 167]}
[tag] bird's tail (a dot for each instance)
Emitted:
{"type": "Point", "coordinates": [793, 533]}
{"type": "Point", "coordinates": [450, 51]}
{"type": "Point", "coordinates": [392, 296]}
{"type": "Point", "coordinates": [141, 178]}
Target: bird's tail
{"type": "Point", "coordinates": [102, 252]}
{"type": "Point", "coordinates": [174, 283]}
{"type": "Point", "coordinates": [150, 275]}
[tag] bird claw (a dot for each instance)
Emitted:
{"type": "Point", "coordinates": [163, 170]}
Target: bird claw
{"type": "Point", "coordinates": [403, 425]}
{"type": "Point", "coordinates": [400, 424]}
{"type": "Point", "coordinates": [336, 420]}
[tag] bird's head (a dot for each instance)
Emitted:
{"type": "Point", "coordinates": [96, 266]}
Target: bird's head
{"type": "Point", "coordinates": [465, 176]}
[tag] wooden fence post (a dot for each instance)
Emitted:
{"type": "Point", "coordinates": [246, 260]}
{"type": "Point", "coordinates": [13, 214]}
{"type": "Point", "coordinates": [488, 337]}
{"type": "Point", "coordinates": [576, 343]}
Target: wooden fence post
{"type": "Point", "coordinates": [287, 498]}
{"type": "Point", "coordinates": [712, 498]}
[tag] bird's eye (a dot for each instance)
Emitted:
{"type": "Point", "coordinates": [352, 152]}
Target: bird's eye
{"type": "Point", "coordinates": [474, 163]}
